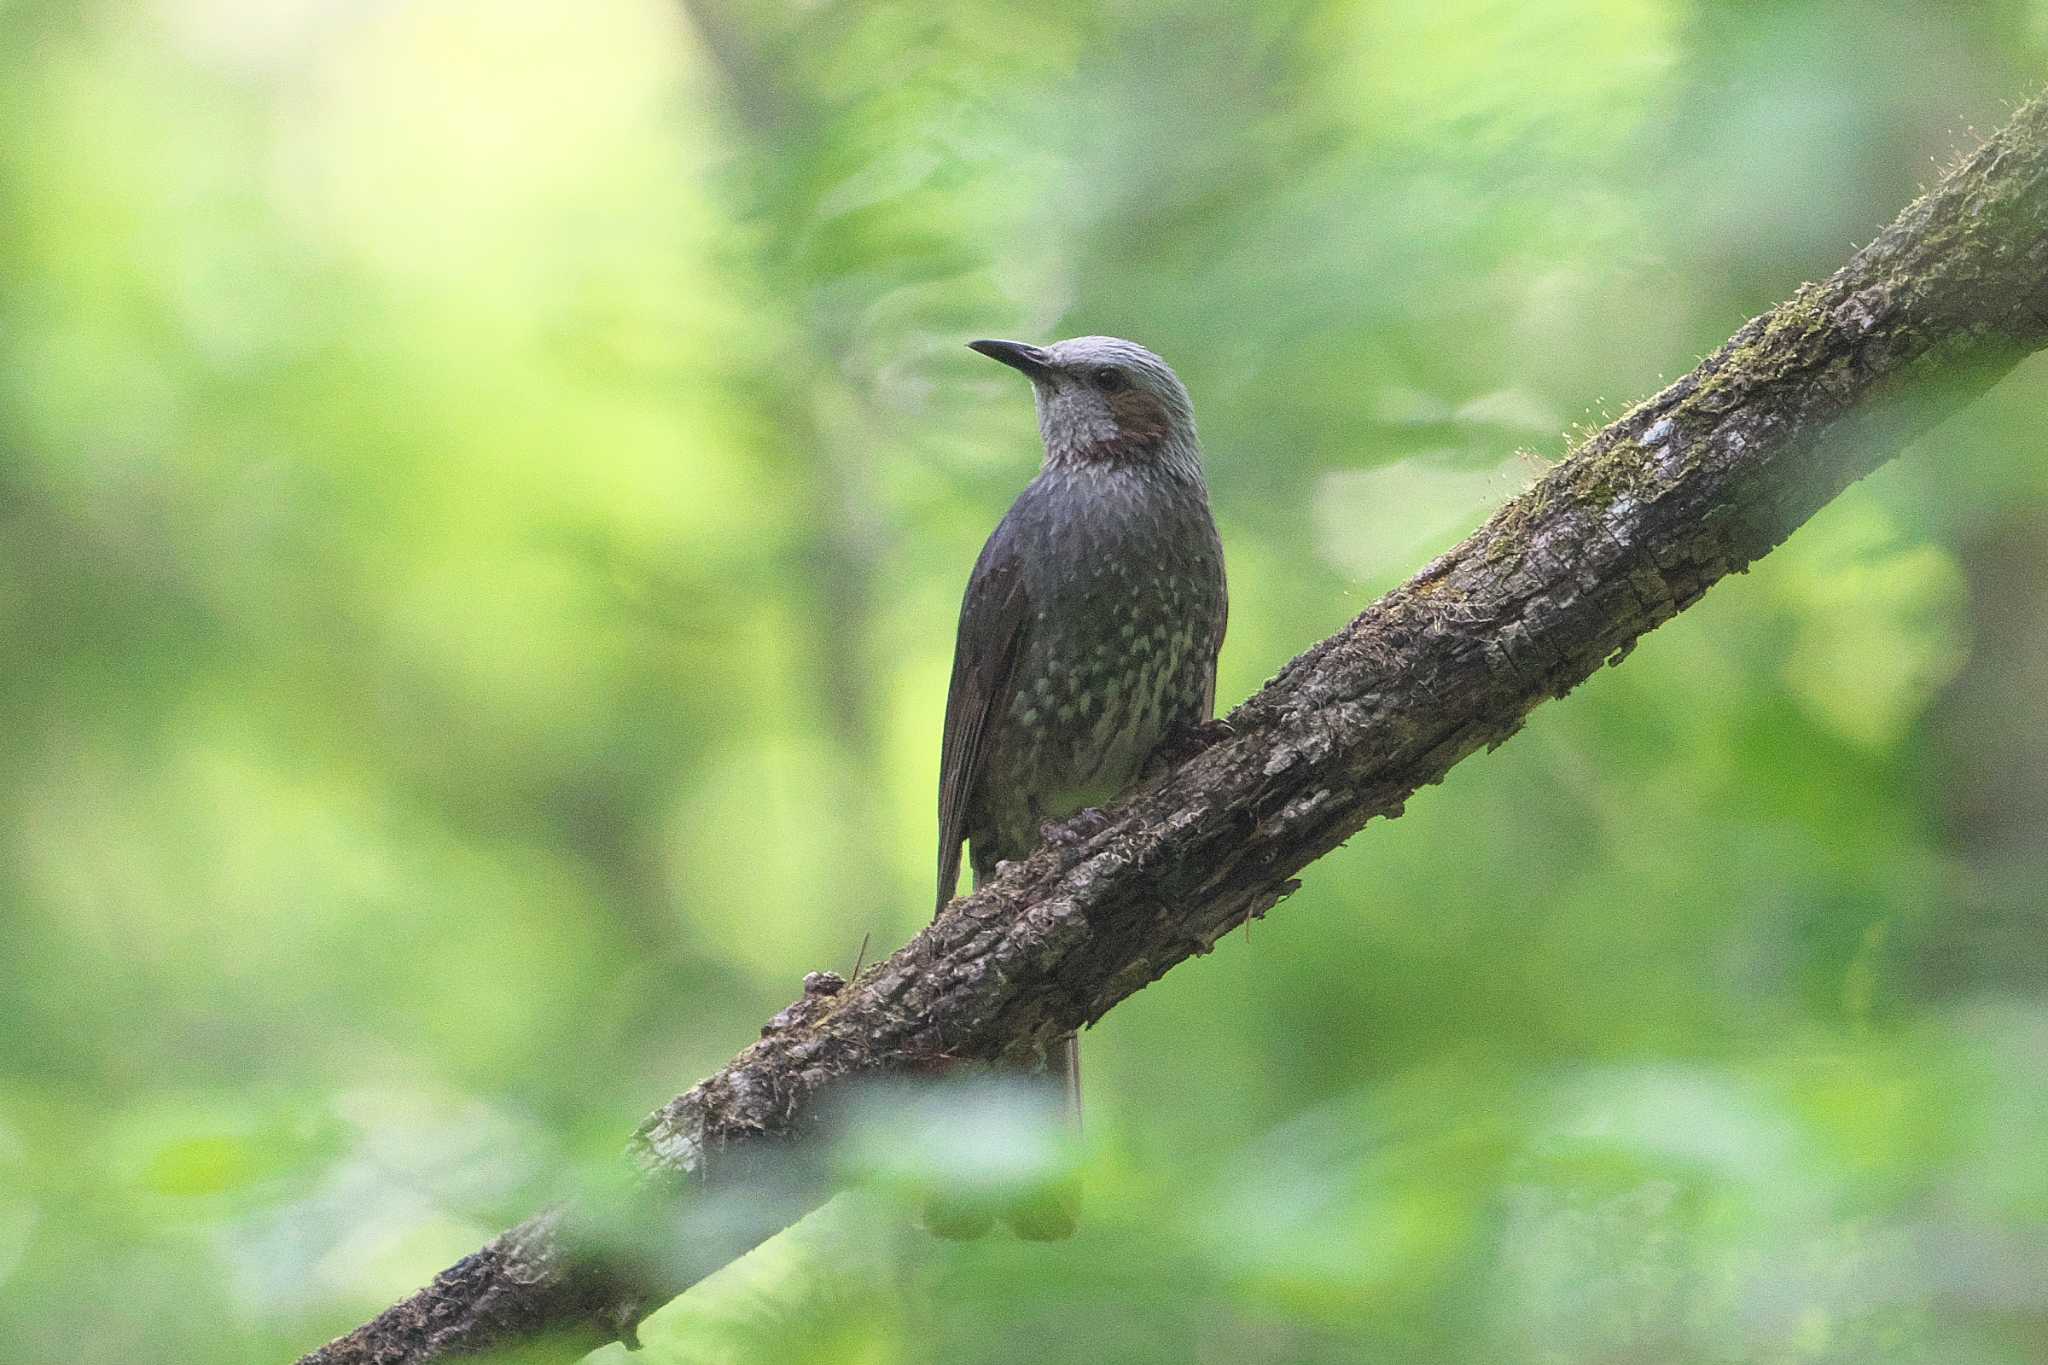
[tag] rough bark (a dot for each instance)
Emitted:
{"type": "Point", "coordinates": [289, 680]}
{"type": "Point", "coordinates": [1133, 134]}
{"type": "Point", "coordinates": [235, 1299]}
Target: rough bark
{"type": "Point", "coordinates": [1633, 527]}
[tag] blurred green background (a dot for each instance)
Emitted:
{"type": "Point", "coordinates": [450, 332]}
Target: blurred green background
{"type": "Point", "coordinates": [484, 491]}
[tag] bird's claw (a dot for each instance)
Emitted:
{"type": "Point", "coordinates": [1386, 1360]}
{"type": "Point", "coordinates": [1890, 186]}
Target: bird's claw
{"type": "Point", "coordinates": [1187, 741]}
{"type": "Point", "coordinates": [1076, 829]}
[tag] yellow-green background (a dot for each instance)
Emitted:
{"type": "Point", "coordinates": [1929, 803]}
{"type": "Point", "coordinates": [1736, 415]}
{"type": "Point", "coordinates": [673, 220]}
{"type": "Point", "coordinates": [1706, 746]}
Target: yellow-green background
{"type": "Point", "coordinates": [484, 491]}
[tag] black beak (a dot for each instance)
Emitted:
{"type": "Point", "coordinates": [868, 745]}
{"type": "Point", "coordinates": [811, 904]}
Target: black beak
{"type": "Point", "coordinates": [1030, 359]}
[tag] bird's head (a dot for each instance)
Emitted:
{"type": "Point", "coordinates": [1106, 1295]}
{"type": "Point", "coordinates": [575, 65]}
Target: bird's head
{"type": "Point", "coordinates": [1106, 400]}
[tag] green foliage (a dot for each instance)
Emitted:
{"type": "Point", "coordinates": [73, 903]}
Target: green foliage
{"type": "Point", "coordinates": [484, 491]}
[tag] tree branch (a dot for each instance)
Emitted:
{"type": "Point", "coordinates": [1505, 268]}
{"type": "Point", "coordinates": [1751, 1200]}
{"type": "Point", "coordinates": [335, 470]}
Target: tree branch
{"type": "Point", "coordinates": [1632, 528]}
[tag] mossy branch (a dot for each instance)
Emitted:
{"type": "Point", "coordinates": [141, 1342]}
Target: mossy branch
{"type": "Point", "coordinates": [1687, 487]}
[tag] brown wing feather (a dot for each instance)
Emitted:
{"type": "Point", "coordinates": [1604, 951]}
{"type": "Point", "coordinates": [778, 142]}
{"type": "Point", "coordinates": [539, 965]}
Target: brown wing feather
{"type": "Point", "coordinates": [1216, 641]}
{"type": "Point", "coordinates": [993, 621]}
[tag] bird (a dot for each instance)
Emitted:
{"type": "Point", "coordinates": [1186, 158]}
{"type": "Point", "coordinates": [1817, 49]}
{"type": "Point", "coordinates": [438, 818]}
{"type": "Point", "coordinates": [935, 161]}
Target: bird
{"type": "Point", "coordinates": [1087, 641]}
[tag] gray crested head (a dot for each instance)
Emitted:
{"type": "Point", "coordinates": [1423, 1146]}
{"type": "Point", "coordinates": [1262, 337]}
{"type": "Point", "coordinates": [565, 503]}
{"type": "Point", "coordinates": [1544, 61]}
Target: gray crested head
{"type": "Point", "coordinates": [1104, 400]}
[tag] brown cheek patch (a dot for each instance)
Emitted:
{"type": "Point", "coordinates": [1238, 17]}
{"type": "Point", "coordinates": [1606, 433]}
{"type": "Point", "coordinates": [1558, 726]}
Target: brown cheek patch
{"type": "Point", "coordinates": [1139, 416]}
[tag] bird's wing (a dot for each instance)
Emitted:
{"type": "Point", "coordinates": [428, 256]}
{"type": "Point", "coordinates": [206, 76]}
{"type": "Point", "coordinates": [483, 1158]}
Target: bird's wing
{"type": "Point", "coordinates": [1216, 640]}
{"type": "Point", "coordinates": [994, 620]}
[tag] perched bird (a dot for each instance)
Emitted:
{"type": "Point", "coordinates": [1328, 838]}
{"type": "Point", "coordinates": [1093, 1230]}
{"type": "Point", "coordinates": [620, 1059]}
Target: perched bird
{"type": "Point", "coordinates": [1088, 635]}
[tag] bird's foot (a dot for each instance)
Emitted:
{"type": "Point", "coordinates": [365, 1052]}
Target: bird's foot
{"type": "Point", "coordinates": [1076, 829]}
{"type": "Point", "coordinates": [1186, 741]}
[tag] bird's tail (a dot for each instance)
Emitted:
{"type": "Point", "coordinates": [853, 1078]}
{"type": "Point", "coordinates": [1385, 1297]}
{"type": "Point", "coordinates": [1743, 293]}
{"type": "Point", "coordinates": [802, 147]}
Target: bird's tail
{"type": "Point", "coordinates": [1044, 1213]}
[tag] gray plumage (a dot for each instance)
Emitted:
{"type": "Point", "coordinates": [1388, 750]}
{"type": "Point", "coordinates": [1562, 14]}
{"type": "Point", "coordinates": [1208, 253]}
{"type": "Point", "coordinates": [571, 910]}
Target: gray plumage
{"type": "Point", "coordinates": [1090, 627]}
{"type": "Point", "coordinates": [1091, 623]}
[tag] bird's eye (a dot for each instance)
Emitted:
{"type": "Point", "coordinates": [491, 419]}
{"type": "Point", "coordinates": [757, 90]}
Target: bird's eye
{"type": "Point", "coordinates": [1110, 379]}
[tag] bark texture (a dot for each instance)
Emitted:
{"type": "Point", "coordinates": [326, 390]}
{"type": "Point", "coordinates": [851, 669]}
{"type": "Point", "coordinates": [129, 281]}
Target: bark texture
{"type": "Point", "coordinates": [1633, 527]}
